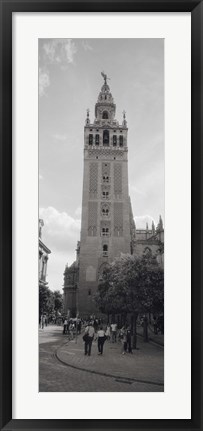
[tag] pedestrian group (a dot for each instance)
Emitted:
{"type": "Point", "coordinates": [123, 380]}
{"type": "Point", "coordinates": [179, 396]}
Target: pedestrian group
{"type": "Point", "coordinates": [96, 332]}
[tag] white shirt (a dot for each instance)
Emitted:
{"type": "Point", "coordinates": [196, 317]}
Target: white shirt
{"type": "Point", "coordinates": [100, 333]}
{"type": "Point", "coordinates": [113, 327]}
{"type": "Point", "coordinates": [90, 330]}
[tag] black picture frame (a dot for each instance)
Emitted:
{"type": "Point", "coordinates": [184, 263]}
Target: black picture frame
{"type": "Point", "coordinates": [6, 9]}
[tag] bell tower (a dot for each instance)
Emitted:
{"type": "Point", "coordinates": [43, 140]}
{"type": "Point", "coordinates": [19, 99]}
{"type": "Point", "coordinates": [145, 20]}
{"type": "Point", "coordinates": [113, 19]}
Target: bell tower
{"type": "Point", "coordinates": [106, 211]}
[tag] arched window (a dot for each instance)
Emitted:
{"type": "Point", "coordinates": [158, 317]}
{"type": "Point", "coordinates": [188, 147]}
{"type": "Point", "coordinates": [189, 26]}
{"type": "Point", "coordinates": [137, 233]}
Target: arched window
{"type": "Point", "coordinates": [105, 115]}
{"type": "Point", "coordinates": [90, 139]}
{"type": "Point", "coordinates": [121, 140]}
{"type": "Point", "coordinates": [105, 178]}
{"type": "Point", "coordinates": [105, 231]}
{"type": "Point", "coordinates": [105, 195]}
{"type": "Point", "coordinates": [97, 139]}
{"type": "Point", "coordinates": [106, 137]}
{"type": "Point", "coordinates": [114, 140]}
{"type": "Point", "coordinates": [105, 211]}
{"type": "Point", "coordinates": [105, 250]}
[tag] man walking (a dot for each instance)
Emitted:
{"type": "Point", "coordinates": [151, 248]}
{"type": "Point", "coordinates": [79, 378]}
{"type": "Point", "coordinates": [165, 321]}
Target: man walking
{"type": "Point", "coordinates": [89, 336]}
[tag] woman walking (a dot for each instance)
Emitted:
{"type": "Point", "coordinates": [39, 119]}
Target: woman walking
{"type": "Point", "coordinates": [100, 340]}
{"type": "Point", "coordinates": [108, 332]}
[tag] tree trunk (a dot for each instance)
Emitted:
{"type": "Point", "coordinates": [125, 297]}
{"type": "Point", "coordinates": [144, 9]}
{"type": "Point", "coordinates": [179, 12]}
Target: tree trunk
{"type": "Point", "coordinates": [134, 331]}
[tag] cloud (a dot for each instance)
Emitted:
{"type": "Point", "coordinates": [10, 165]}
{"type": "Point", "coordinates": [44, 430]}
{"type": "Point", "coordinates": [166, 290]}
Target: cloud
{"type": "Point", "coordinates": [141, 221]}
{"type": "Point", "coordinates": [61, 231]}
{"type": "Point", "coordinates": [60, 51]}
{"type": "Point", "coordinates": [60, 234]}
{"type": "Point", "coordinates": [44, 81]}
{"type": "Point", "coordinates": [78, 212]}
{"type": "Point", "coordinates": [70, 50]}
{"type": "Point", "coordinates": [86, 46]}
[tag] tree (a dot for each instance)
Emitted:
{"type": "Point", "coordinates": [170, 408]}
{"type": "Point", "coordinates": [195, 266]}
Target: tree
{"type": "Point", "coordinates": [132, 285]}
{"type": "Point", "coordinates": [44, 295]}
{"type": "Point", "coordinates": [57, 301]}
{"type": "Point", "coordinates": [49, 302]}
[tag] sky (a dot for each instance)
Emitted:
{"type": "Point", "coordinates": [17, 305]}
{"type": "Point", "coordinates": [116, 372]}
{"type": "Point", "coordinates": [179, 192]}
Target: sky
{"type": "Point", "coordinates": [69, 82]}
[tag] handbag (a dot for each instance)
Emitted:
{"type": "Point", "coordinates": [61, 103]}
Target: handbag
{"type": "Point", "coordinates": [85, 337]}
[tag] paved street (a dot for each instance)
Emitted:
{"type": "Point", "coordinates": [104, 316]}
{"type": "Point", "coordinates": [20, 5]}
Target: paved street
{"type": "Point", "coordinates": [63, 367]}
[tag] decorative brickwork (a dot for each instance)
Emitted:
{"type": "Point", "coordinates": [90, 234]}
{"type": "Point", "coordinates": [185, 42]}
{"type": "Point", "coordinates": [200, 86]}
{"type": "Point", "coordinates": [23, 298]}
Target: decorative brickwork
{"type": "Point", "coordinates": [118, 180]}
{"type": "Point", "coordinates": [92, 218]}
{"type": "Point", "coordinates": [105, 169]}
{"type": "Point", "coordinates": [105, 192]}
{"type": "Point", "coordinates": [118, 219]}
{"type": "Point", "coordinates": [105, 210]}
{"type": "Point", "coordinates": [93, 184]}
{"type": "Point", "coordinates": [105, 228]}
{"type": "Point", "coordinates": [105, 153]}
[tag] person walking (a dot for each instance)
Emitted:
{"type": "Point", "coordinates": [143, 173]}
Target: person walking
{"type": "Point", "coordinates": [128, 339]}
{"type": "Point", "coordinates": [108, 332]}
{"type": "Point", "coordinates": [70, 330]}
{"type": "Point", "coordinates": [88, 338]}
{"type": "Point", "coordinates": [100, 340]}
{"type": "Point", "coordinates": [65, 326]}
{"type": "Point", "coordinates": [114, 332]}
{"type": "Point", "coordinates": [124, 340]}
{"type": "Point", "coordinates": [43, 321]}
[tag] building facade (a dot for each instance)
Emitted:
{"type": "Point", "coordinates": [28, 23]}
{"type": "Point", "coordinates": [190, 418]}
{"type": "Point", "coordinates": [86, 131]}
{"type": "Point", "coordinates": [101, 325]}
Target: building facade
{"type": "Point", "coordinates": [70, 287]}
{"type": "Point", "coordinates": [150, 241]}
{"type": "Point", "coordinates": [43, 257]}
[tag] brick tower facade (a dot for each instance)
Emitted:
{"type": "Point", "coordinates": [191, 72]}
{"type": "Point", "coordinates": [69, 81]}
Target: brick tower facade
{"type": "Point", "coordinates": [107, 223]}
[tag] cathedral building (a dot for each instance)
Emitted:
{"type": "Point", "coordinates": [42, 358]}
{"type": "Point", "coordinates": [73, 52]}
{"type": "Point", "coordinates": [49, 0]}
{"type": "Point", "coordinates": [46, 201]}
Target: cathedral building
{"type": "Point", "coordinates": [107, 224]}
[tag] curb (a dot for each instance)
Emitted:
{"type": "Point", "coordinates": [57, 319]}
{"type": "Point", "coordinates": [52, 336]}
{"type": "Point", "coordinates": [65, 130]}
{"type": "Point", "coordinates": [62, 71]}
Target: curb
{"type": "Point", "coordinates": [129, 379]}
{"type": "Point", "coordinates": [156, 343]}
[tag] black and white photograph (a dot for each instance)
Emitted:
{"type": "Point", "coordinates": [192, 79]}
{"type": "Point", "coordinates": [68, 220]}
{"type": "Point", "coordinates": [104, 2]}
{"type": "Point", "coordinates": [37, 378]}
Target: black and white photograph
{"type": "Point", "coordinates": [101, 215]}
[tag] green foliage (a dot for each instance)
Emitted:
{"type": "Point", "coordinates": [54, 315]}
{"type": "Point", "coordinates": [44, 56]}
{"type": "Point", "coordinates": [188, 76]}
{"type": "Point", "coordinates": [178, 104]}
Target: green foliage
{"type": "Point", "coordinates": [131, 285]}
{"type": "Point", "coordinates": [57, 301]}
{"type": "Point", "coordinates": [49, 302]}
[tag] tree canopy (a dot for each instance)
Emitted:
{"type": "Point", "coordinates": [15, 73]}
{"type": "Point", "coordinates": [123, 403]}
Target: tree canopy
{"type": "Point", "coordinates": [49, 302]}
{"type": "Point", "coordinates": [131, 285]}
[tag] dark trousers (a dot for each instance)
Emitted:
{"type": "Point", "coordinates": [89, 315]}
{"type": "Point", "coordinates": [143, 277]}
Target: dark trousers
{"type": "Point", "coordinates": [88, 346]}
{"type": "Point", "coordinates": [129, 347]}
{"type": "Point", "coordinates": [113, 336]}
{"type": "Point", "coordinates": [100, 344]}
{"type": "Point", "coordinates": [125, 346]}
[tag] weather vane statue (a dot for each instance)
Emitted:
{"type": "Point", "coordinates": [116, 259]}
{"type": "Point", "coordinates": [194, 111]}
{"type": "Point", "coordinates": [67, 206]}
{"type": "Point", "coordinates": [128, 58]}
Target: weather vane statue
{"type": "Point", "coordinates": [105, 77]}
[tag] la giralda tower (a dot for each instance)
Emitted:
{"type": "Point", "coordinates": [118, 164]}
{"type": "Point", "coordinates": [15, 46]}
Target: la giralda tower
{"type": "Point", "coordinates": [106, 229]}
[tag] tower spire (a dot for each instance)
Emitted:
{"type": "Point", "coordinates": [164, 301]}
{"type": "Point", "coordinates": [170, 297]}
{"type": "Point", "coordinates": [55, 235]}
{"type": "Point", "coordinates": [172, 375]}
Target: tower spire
{"type": "Point", "coordinates": [105, 77]}
{"type": "Point", "coordinates": [124, 123]}
{"type": "Point", "coordinates": [153, 227]}
{"type": "Point", "coordinates": [88, 117]}
{"type": "Point", "coordinates": [160, 224]}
